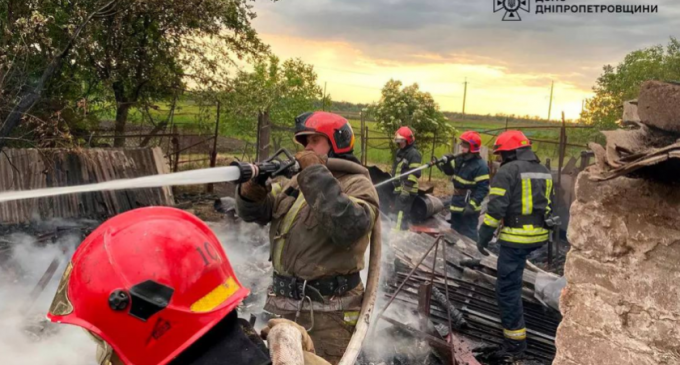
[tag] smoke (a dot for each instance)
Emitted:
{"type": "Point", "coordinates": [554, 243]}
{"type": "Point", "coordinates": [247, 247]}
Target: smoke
{"type": "Point", "coordinates": [247, 246]}
{"type": "Point", "coordinates": [27, 337]}
{"type": "Point", "coordinates": [30, 339]}
{"type": "Point", "coordinates": [385, 344]}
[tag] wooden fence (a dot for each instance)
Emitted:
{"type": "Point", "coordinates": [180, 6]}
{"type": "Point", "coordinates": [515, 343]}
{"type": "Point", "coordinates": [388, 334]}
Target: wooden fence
{"type": "Point", "coordinates": [27, 169]}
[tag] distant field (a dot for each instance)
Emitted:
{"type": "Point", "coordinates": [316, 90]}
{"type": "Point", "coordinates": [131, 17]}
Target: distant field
{"type": "Point", "coordinates": [190, 116]}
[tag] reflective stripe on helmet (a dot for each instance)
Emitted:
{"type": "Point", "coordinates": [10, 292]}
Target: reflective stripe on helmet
{"type": "Point", "coordinates": [216, 297]}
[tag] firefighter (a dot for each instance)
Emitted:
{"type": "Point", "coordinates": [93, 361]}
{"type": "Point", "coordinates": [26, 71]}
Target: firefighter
{"type": "Point", "coordinates": [153, 286]}
{"type": "Point", "coordinates": [321, 223]}
{"type": "Point", "coordinates": [520, 201]}
{"type": "Point", "coordinates": [406, 188]}
{"type": "Point", "coordinates": [470, 184]}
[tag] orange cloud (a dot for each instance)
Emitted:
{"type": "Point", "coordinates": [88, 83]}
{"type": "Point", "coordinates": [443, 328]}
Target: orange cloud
{"type": "Point", "coordinates": [350, 75]}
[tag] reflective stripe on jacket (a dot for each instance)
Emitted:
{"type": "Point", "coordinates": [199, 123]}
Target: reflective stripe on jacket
{"type": "Point", "coordinates": [522, 187]}
{"type": "Point", "coordinates": [469, 172]}
{"type": "Point", "coordinates": [408, 159]}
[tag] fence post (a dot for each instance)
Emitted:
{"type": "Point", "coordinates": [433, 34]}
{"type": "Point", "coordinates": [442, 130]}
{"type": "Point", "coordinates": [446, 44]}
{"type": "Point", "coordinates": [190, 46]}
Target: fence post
{"type": "Point", "coordinates": [363, 136]}
{"type": "Point", "coordinates": [176, 147]}
{"type": "Point", "coordinates": [213, 154]}
{"type": "Point", "coordinates": [366, 145]}
{"type": "Point", "coordinates": [434, 144]}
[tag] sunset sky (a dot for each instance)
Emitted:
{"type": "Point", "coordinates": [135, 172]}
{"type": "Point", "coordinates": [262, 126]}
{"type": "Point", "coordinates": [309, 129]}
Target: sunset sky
{"type": "Point", "coordinates": [358, 45]}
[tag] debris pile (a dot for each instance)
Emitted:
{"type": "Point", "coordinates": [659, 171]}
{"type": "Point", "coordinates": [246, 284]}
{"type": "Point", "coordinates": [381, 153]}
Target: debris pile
{"type": "Point", "coordinates": [621, 305]}
{"type": "Point", "coordinates": [649, 146]}
{"type": "Point", "coordinates": [471, 282]}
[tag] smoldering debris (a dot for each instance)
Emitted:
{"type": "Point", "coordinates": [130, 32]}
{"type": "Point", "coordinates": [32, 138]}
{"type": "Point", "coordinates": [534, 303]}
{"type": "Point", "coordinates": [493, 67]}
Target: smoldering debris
{"type": "Point", "coordinates": [27, 337]}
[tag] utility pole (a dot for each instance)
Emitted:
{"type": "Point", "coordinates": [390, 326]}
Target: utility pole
{"type": "Point", "coordinates": [324, 95]}
{"type": "Point", "coordinates": [464, 95]}
{"type": "Point", "coordinates": [213, 154]}
{"type": "Point", "coordinates": [552, 87]}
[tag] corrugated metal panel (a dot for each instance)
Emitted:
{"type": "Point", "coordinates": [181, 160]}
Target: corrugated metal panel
{"type": "Point", "coordinates": [27, 169]}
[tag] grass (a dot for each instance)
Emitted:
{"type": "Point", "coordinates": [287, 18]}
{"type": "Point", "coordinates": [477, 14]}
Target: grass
{"type": "Point", "coordinates": [193, 118]}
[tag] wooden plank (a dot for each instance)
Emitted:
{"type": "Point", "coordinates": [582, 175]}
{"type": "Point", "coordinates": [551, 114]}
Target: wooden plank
{"type": "Point", "coordinates": [54, 167]}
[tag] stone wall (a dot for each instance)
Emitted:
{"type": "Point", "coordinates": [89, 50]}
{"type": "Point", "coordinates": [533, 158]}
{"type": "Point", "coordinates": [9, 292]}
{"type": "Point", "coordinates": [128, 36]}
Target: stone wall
{"type": "Point", "coordinates": [622, 301]}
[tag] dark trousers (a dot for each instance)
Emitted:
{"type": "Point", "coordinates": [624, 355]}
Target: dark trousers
{"type": "Point", "coordinates": [465, 224]}
{"type": "Point", "coordinates": [510, 267]}
{"type": "Point", "coordinates": [403, 207]}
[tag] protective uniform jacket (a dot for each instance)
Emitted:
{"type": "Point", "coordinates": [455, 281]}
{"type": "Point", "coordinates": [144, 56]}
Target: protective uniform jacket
{"type": "Point", "coordinates": [470, 173]}
{"type": "Point", "coordinates": [520, 197]}
{"type": "Point", "coordinates": [321, 220]}
{"type": "Point", "coordinates": [407, 159]}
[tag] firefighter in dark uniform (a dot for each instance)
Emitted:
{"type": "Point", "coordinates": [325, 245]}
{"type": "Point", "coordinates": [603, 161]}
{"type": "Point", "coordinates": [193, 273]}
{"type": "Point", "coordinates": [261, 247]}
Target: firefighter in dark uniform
{"type": "Point", "coordinates": [470, 184]}
{"type": "Point", "coordinates": [406, 188]}
{"type": "Point", "coordinates": [520, 202]}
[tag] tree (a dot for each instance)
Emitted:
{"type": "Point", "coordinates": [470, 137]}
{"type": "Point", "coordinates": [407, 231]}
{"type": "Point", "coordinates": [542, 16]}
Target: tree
{"type": "Point", "coordinates": [410, 107]}
{"type": "Point", "coordinates": [36, 40]}
{"type": "Point", "coordinates": [621, 83]}
{"type": "Point", "coordinates": [148, 49]}
{"type": "Point", "coordinates": [268, 99]}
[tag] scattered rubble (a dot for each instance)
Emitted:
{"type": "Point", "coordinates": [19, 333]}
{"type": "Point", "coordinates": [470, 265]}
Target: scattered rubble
{"type": "Point", "coordinates": [471, 291]}
{"type": "Point", "coordinates": [648, 148]}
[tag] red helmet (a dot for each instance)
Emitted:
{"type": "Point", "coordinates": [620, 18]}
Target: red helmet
{"type": "Point", "coordinates": [510, 141]}
{"type": "Point", "coordinates": [405, 134]}
{"type": "Point", "coordinates": [336, 128]}
{"type": "Point", "coordinates": [149, 282]}
{"type": "Point", "coordinates": [472, 138]}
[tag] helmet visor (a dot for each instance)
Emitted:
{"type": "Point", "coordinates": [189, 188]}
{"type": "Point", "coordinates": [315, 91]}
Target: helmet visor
{"type": "Point", "coordinates": [61, 305]}
{"type": "Point", "coordinates": [104, 350]}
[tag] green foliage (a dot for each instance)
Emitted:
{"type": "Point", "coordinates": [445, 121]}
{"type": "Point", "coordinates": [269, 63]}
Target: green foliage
{"type": "Point", "coordinates": [621, 83]}
{"type": "Point", "coordinates": [411, 107]}
{"type": "Point", "coordinates": [131, 55]}
{"type": "Point", "coordinates": [281, 91]}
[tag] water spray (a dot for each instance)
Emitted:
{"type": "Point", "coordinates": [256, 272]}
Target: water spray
{"type": "Point", "coordinates": [442, 160]}
{"type": "Point", "coordinates": [281, 164]}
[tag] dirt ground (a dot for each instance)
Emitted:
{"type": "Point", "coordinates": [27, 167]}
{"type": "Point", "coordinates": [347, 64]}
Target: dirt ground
{"type": "Point", "coordinates": [196, 200]}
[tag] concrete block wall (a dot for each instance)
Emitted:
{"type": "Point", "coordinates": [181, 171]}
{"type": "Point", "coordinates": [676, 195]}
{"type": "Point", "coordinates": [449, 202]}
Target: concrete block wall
{"type": "Point", "coordinates": [622, 301]}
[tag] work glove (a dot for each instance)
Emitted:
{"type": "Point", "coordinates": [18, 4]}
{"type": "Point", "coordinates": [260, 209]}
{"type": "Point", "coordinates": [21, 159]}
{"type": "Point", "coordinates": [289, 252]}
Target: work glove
{"type": "Point", "coordinates": [253, 191]}
{"type": "Point", "coordinates": [307, 344]}
{"type": "Point", "coordinates": [445, 159]}
{"type": "Point", "coordinates": [485, 236]}
{"type": "Point", "coordinates": [469, 210]}
{"type": "Point", "coordinates": [310, 158]}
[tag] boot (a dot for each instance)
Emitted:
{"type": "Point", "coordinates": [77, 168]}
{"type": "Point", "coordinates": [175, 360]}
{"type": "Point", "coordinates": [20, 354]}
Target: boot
{"type": "Point", "coordinates": [510, 351]}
